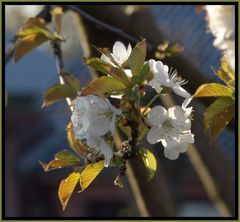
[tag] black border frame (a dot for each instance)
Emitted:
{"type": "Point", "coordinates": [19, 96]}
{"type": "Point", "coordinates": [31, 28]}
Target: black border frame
{"type": "Point", "coordinates": [235, 3]}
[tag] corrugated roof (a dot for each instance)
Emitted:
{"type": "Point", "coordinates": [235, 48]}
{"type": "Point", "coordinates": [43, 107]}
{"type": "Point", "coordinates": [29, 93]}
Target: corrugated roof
{"type": "Point", "coordinates": [182, 24]}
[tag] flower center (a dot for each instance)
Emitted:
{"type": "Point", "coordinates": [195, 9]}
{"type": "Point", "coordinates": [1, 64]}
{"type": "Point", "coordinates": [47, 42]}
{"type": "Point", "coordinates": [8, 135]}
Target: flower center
{"type": "Point", "coordinates": [168, 125]}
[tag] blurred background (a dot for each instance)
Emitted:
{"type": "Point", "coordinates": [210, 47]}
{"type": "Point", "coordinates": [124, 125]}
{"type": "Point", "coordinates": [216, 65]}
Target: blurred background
{"type": "Point", "coordinates": [180, 188]}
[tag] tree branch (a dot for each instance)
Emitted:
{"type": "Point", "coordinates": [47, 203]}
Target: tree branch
{"type": "Point", "coordinates": [44, 14]}
{"type": "Point", "coordinates": [56, 46]}
{"type": "Point", "coordinates": [108, 27]}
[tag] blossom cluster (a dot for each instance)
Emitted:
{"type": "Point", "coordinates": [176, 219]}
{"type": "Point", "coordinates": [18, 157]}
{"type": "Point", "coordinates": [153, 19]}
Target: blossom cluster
{"type": "Point", "coordinates": [93, 117]}
{"type": "Point", "coordinates": [221, 22]}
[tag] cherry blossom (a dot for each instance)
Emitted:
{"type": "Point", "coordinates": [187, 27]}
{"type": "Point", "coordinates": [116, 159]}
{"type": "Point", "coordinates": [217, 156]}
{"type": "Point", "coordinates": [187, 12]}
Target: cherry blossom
{"type": "Point", "coordinates": [221, 22]}
{"type": "Point", "coordinates": [94, 115]}
{"type": "Point", "coordinates": [99, 144]}
{"type": "Point", "coordinates": [120, 54]}
{"type": "Point", "coordinates": [172, 128]}
{"type": "Point", "coordinates": [164, 78]}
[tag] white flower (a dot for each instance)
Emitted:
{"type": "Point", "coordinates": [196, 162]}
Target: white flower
{"type": "Point", "coordinates": [163, 77]}
{"type": "Point", "coordinates": [120, 54]}
{"type": "Point", "coordinates": [221, 22]}
{"type": "Point", "coordinates": [99, 144]}
{"type": "Point", "coordinates": [172, 127]}
{"type": "Point", "coordinates": [93, 115]}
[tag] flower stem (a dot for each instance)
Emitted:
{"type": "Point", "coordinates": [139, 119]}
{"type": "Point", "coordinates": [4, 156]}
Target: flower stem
{"type": "Point", "coordinates": [151, 102]}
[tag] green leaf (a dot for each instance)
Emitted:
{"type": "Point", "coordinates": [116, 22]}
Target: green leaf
{"type": "Point", "coordinates": [27, 44]}
{"type": "Point", "coordinates": [103, 85]}
{"type": "Point", "coordinates": [226, 68]}
{"type": "Point", "coordinates": [106, 52]}
{"type": "Point", "coordinates": [57, 92]}
{"type": "Point", "coordinates": [76, 144]}
{"type": "Point", "coordinates": [137, 57]}
{"type": "Point", "coordinates": [54, 164]}
{"type": "Point", "coordinates": [219, 114]}
{"type": "Point", "coordinates": [225, 73]}
{"type": "Point", "coordinates": [66, 156]}
{"type": "Point", "coordinates": [145, 71]}
{"type": "Point", "coordinates": [66, 188]}
{"type": "Point", "coordinates": [35, 26]}
{"type": "Point", "coordinates": [107, 68]}
{"type": "Point", "coordinates": [71, 80]}
{"type": "Point", "coordinates": [90, 173]}
{"type": "Point", "coordinates": [149, 162]}
{"type": "Point", "coordinates": [213, 89]}
{"type": "Point", "coordinates": [119, 74]}
{"type": "Point", "coordinates": [98, 64]}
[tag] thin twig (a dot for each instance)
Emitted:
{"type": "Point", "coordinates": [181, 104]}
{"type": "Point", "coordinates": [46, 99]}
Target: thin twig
{"type": "Point", "coordinates": [45, 14]}
{"type": "Point", "coordinates": [60, 67]}
{"type": "Point", "coordinates": [57, 50]}
{"type": "Point", "coordinates": [108, 27]}
{"type": "Point", "coordinates": [10, 50]}
{"type": "Point", "coordinates": [151, 102]}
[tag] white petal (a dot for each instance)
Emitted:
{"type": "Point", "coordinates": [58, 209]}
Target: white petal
{"type": "Point", "coordinates": [180, 91]}
{"type": "Point", "coordinates": [99, 144]}
{"type": "Point", "coordinates": [106, 150]}
{"type": "Point", "coordinates": [155, 84]}
{"type": "Point", "coordinates": [85, 121]}
{"type": "Point", "coordinates": [154, 135]}
{"type": "Point", "coordinates": [128, 72]}
{"type": "Point", "coordinates": [79, 133]}
{"type": "Point", "coordinates": [182, 148]}
{"type": "Point", "coordinates": [187, 138]}
{"type": "Point", "coordinates": [165, 69]}
{"type": "Point", "coordinates": [179, 120]}
{"type": "Point", "coordinates": [176, 112]}
{"type": "Point", "coordinates": [162, 73]}
{"type": "Point", "coordinates": [93, 141]}
{"type": "Point", "coordinates": [105, 58]}
{"type": "Point", "coordinates": [171, 153]}
{"type": "Point", "coordinates": [99, 125]}
{"type": "Point", "coordinates": [129, 50]}
{"type": "Point", "coordinates": [186, 102]}
{"type": "Point", "coordinates": [120, 52]}
{"type": "Point", "coordinates": [187, 125]}
{"type": "Point", "coordinates": [157, 115]}
{"type": "Point", "coordinates": [170, 141]}
{"type": "Point", "coordinates": [112, 125]}
{"type": "Point", "coordinates": [152, 65]}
